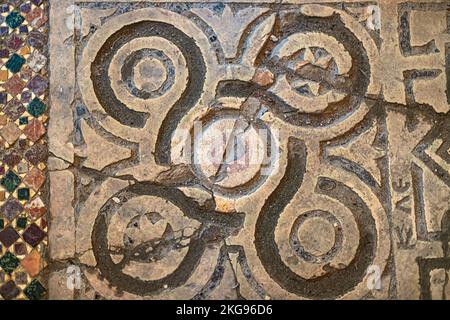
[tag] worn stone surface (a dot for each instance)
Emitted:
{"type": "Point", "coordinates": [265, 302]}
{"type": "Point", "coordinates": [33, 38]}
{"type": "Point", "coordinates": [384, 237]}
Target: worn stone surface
{"type": "Point", "coordinates": [237, 149]}
{"type": "Point", "coordinates": [62, 235]}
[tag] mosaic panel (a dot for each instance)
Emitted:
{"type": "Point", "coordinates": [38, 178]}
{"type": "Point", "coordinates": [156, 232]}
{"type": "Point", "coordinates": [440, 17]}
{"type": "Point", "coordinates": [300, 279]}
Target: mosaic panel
{"type": "Point", "coordinates": [23, 148]}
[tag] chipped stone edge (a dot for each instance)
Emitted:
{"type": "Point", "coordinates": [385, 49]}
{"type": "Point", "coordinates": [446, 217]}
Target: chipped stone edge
{"type": "Point", "coordinates": [61, 231]}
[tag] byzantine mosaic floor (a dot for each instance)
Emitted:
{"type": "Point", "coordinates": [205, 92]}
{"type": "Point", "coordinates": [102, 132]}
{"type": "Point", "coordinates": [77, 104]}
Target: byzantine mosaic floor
{"type": "Point", "coordinates": [224, 150]}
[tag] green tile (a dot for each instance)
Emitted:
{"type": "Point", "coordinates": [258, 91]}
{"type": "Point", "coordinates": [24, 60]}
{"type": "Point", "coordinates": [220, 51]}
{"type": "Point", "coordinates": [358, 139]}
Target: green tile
{"type": "Point", "coordinates": [23, 194]}
{"type": "Point", "coordinates": [36, 107]}
{"type": "Point", "coordinates": [21, 222]}
{"type": "Point", "coordinates": [23, 120]}
{"type": "Point", "coordinates": [14, 19]}
{"type": "Point", "coordinates": [35, 290]}
{"type": "Point", "coordinates": [9, 262]}
{"type": "Point", "coordinates": [10, 181]}
{"type": "Point", "coordinates": [15, 63]}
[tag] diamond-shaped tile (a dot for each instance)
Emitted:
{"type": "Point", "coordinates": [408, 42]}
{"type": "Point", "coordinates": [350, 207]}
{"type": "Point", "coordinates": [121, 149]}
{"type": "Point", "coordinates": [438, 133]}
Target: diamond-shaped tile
{"type": "Point", "coordinates": [23, 144]}
{"type": "Point", "coordinates": [23, 194]}
{"type": "Point", "coordinates": [32, 263]}
{"type": "Point", "coordinates": [21, 222]}
{"type": "Point", "coordinates": [25, 50]}
{"type": "Point", "coordinates": [8, 236]}
{"type": "Point", "coordinates": [15, 63]}
{"type": "Point", "coordinates": [37, 17]}
{"type": "Point", "coordinates": [4, 53]}
{"type": "Point", "coordinates": [11, 132]}
{"type": "Point", "coordinates": [25, 96]}
{"type": "Point", "coordinates": [10, 181]}
{"type": "Point", "coordinates": [37, 39]}
{"type": "Point", "coordinates": [12, 159]}
{"type": "Point", "coordinates": [21, 278]}
{"type": "Point", "coordinates": [36, 107]}
{"type": "Point", "coordinates": [33, 235]}
{"type": "Point", "coordinates": [9, 262]}
{"type": "Point", "coordinates": [35, 290]}
{"type": "Point", "coordinates": [23, 29]}
{"type": "Point", "coordinates": [14, 19]}
{"type": "Point", "coordinates": [22, 167]}
{"type": "Point", "coordinates": [37, 61]}
{"type": "Point", "coordinates": [14, 85]}
{"type": "Point", "coordinates": [35, 208]}
{"type": "Point", "coordinates": [14, 109]}
{"type": "Point", "coordinates": [4, 31]}
{"type": "Point", "coordinates": [14, 42]}
{"type": "Point", "coordinates": [9, 290]}
{"type": "Point", "coordinates": [26, 74]}
{"type": "Point", "coordinates": [37, 153]}
{"type": "Point", "coordinates": [23, 121]}
{"type": "Point", "coordinates": [25, 7]}
{"type": "Point", "coordinates": [38, 85]}
{"type": "Point", "coordinates": [34, 179]}
{"type": "Point", "coordinates": [11, 209]}
{"type": "Point", "coordinates": [4, 75]}
{"type": "Point", "coordinates": [34, 130]}
{"type": "Point", "coordinates": [44, 224]}
{"type": "Point", "coordinates": [20, 249]}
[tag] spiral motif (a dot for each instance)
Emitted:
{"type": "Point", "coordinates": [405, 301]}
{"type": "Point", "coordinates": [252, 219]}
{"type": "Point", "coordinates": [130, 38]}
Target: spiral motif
{"type": "Point", "coordinates": [151, 77]}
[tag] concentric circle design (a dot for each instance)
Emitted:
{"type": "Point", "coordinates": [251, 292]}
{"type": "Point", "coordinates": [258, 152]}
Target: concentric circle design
{"type": "Point", "coordinates": [147, 73]}
{"type": "Point", "coordinates": [150, 70]}
{"type": "Point", "coordinates": [143, 60]}
{"type": "Point", "coordinates": [336, 280]}
{"type": "Point", "coordinates": [318, 231]}
{"type": "Point", "coordinates": [102, 65]}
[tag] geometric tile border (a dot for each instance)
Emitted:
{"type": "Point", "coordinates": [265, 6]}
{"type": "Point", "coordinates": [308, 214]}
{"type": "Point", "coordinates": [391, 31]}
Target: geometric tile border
{"type": "Point", "coordinates": [23, 148]}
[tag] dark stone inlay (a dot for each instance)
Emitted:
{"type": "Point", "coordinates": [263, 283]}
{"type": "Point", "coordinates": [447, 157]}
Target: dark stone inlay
{"type": "Point", "coordinates": [33, 235]}
{"type": "Point", "coordinates": [336, 282]}
{"type": "Point", "coordinates": [299, 248]}
{"type": "Point", "coordinates": [213, 225]}
{"type": "Point", "coordinates": [128, 73]}
{"type": "Point", "coordinates": [8, 236]}
{"type": "Point", "coordinates": [9, 290]}
{"type": "Point", "coordinates": [119, 111]}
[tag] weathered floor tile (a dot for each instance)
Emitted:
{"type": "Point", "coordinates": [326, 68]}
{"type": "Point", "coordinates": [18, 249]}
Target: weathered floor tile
{"type": "Point", "coordinates": [225, 150]}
